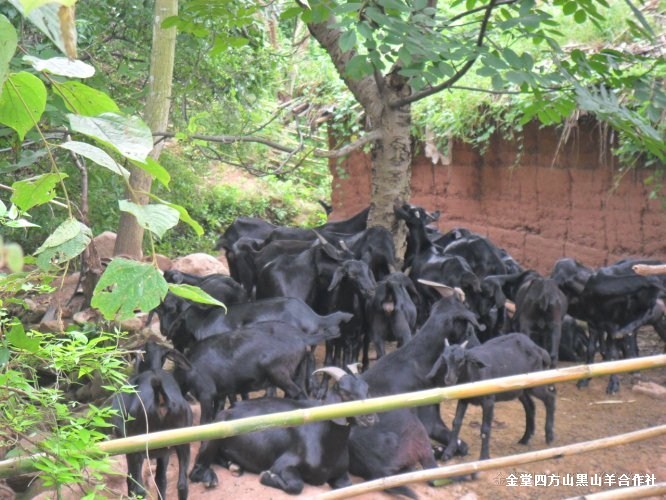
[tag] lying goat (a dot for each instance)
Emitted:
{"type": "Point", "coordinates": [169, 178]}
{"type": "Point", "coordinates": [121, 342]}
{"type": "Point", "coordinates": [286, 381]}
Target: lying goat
{"type": "Point", "coordinates": [510, 354]}
{"type": "Point", "coordinates": [157, 405]}
{"type": "Point", "coordinates": [314, 453]}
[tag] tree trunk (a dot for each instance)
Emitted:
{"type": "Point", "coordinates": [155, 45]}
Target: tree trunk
{"type": "Point", "coordinates": [156, 115]}
{"type": "Point", "coordinates": [392, 162]}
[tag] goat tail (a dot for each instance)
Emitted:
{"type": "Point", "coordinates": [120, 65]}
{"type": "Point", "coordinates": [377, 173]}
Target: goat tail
{"type": "Point", "coordinates": [159, 393]}
{"type": "Point", "coordinates": [318, 338]}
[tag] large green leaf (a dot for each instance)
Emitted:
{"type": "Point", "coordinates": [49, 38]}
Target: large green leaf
{"type": "Point", "coordinates": [18, 339]}
{"type": "Point", "coordinates": [127, 285]}
{"type": "Point", "coordinates": [30, 5]}
{"type": "Point", "coordinates": [46, 19]}
{"type": "Point", "coordinates": [129, 135]}
{"type": "Point", "coordinates": [69, 240]}
{"type": "Point", "coordinates": [62, 66]}
{"type": "Point", "coordinates": [155, 218]}
{"type": "Point", "coordinates": [22, 102]}
{"type": "Point", "coordinates": [195, 294]}
{"type": "Point", "coordinates": [83, 100]}
{"type": "Point", "coordinates": [35, 190]}
{"type": "Point", "coordinates": [97, 155]}
{"type": "Point", "coordinates": [156, 170]}
{"type": "Point", "coordinates": [8, 41]}
{"type": "Point", "coordinates": [184, 215]}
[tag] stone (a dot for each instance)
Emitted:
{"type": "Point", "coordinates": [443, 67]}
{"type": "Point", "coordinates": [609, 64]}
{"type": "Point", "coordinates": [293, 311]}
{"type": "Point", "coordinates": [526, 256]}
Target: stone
{"type": "Point", "coordinates": [200, 264]}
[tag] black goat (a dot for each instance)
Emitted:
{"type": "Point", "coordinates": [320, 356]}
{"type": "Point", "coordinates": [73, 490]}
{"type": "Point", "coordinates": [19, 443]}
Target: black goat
{"type": "Point", "coordinates": [351, 287]}
{"type": "Point", "coordinates": [391, 313]}
{"type": "Point", "coordinates": [157, 405]}
{"type": "Point", "coordinates": [509, 354]}
{"type": "Point", "coordinates": [405, 370]}
{"type": "Point", "coordinates": [248, 359]}
{"type": "Point", "coordinates": [315, 453]}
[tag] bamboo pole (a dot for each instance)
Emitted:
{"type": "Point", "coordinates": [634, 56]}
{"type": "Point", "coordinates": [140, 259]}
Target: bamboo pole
{"type": "Point", "coordinates": [21, 465]}
{"type": "Point", "coordinates": [492, 463]}
{"type": "Point", "coordinates": [621, 493]}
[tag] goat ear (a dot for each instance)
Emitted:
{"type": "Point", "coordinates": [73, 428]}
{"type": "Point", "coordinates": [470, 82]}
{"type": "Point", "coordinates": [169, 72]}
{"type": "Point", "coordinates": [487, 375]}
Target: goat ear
{"type": "Point", "coordinates": [444, 290]}
{"type": "Point", "coordinates": [435, 368]}
{"type": "Point", "coordinates": [179, 359]}
{"type": "Point", "coordinates": [337, 278]}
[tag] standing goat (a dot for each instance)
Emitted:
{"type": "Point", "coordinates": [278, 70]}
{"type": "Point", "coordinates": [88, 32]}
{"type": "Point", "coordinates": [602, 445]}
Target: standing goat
{"type": "Point", "coordinates": [510, 354]}
{"type": "Point", "coordinates": [156, 405]}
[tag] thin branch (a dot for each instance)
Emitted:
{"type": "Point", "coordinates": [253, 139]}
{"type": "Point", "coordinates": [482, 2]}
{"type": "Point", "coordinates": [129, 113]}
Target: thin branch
{"type": "Point", "coordinates": [461, 72]}
{"type": "Point", "coordinates": [320, 153]}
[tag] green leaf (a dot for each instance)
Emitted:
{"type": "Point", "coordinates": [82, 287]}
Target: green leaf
{"type": "Point", "coordinates": [184, 215]}
{"type": "Point", "coordinates": [512, 58]}
{"type": "Point", "coordinates": [62, 66]}
{"type": "Point", "coordinates": [641, 19]}
{"type": "Point", "coordinates": [35, 190]}
{"type": "Point", "coordinates": [127, 285]}
{"type": "Point", "coordinates": [18, 339]}
{"type": "Point", "coordinates": [69, 240]}
{"type": "Point", "coordinates": [580, 16]}
{"type": "Point", "coordinates": [46, 19]}
{"type": "Point", "coordinates": [569, 8]}
{"type": "Point", "coordinates": [129, 135]}
{"type": "Point", "coordinates": [83, 100]}
{"type": "Point", "coordinates": [12, 256]}
{"type": "Point", "coordinates": [195, 294]}
{"type": "Point", "coordinates": [30, 5]}
{"type": "Point", "coordinates": [96, 155]}
{"type": "Point", "coordinates": [156, 170]}
{"type": "Point", "coordinates": [8, 42]}
{"type": "Point", "coordinates": [347, 41]}
{"type": "Point", "coordinates": [155, 218]}
{"type": "Point", "coordinates": [22, 102]}
{"type": "Point", "coordinates": [358, 67]}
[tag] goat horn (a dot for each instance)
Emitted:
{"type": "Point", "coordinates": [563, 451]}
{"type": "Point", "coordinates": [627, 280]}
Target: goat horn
{"type": "Point", "coordinates": [344, 246]}
{"type": "Point", "coordinates": [333, 371]}
{"type": "Point", "coordinates": [464, 344]}
{"type": "Point", "coordinates": [321, 238]}
{"type": "Point", "coordinates": [446, 343]}
{"type": "Point", "coordinates": [354, 367]}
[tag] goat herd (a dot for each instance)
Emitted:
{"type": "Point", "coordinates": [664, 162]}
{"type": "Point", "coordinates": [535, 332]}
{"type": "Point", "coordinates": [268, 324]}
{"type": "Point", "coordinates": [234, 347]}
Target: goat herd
{"type": "Point", "coordinates": [453, 310]}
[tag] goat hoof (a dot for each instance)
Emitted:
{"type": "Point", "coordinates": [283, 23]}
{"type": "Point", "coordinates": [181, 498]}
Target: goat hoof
{"type": "Point", "coordinates": [461, 449]}
{"type": "Point", "coordinates": [583, 383]}
{"type": "Point", "coordinates": [550, 437]}
{"type": "Point", "coordinates": [235, 470]}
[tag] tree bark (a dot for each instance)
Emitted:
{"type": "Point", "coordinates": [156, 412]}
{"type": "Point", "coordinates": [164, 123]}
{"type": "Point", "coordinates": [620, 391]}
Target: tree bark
{"type": "Point", "coordinates": [391, 152]}
{"type": "Point", "coordinates": [156, 115]}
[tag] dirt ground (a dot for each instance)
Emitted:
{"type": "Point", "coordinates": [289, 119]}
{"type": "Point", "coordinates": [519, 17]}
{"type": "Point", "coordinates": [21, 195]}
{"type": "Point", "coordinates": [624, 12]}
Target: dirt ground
{"type": "Point", "coordinates": [581, 415]}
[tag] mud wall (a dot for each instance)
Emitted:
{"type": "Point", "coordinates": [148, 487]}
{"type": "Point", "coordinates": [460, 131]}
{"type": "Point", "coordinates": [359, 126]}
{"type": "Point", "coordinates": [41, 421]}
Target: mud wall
{"type": "Point", "coordinates": [575, 203]}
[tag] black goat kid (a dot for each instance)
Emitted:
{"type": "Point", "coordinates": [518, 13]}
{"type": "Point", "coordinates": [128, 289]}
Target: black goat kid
{"type": "Point", "coordinates": [157, 405]}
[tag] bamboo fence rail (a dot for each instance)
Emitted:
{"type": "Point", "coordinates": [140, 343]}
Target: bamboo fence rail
{"type": "Point", "coordinates": [492, 463]}
{"type": "Point", "coordinates": [20, 465]}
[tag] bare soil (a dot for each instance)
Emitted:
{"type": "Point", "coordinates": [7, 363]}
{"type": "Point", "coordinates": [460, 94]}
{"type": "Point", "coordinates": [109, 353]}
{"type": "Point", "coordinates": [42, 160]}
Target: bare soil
{"type": "Point", "coordinates": [581, 415]}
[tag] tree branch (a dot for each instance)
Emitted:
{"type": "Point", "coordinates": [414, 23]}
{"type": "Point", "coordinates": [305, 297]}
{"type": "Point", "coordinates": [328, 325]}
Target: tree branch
{"type": "Point", "coordinates": [461, 72]}
{"type": "Point", "coordinates": [320, 153]}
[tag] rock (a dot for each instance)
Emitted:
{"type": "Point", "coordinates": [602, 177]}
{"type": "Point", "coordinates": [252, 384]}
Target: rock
{"type": "Point", "coordinates": [651, 389]}
{"type": "Point", "coordinates": [52, 326]}
{"type": "Point", "coordinates": [200, 264]}
{"type": "Point", "coordinates": [104, 244]}
{"type": "Point", "coordinates": [132, 325]}
{"type": "Point", "coordinates": [86, 316]}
